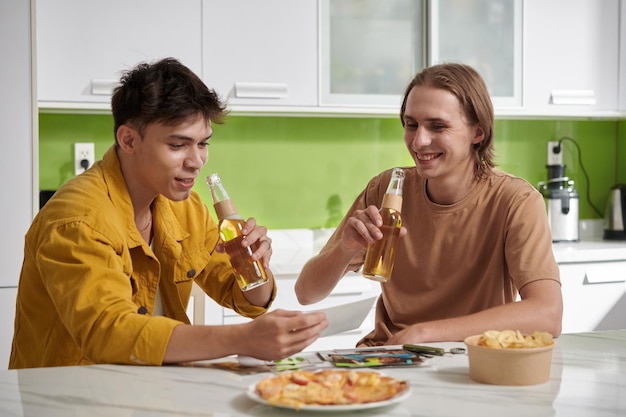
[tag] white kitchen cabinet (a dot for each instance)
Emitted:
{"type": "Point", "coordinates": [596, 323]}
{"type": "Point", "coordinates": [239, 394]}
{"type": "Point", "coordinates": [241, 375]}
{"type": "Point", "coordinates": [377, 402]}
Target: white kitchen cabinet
{"type": "Point", "coordinates": [486, 34]}
{"type": "Point", "coordinates": [7, 317]}
{"type": "Point", "coordinates": [359, 67]}
{"type": "Point", "coordinates": [369, 51]}
{"type": "Point", "coordinates": [548, 58]}
{"type": "Point", "coordinates": [282, 56]}
{"type": "Point", "coordinates": [18, 162]}
{"type": "Point", "coordinates": [571, 57]}
{"type": "Point", "coordinates": [17, 118]}
{"type": "Point", "coordinates": [83, 46]}
{"type": "Point", "coordinates": [594, 296]}
{"type": "Point", "coordinates": [622, 58]}
{"type": "Point", "coordinates": [261, 53]}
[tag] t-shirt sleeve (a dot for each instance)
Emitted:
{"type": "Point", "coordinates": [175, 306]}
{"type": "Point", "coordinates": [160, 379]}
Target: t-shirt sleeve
{"type": "Point", "coordinates": [528, 243]}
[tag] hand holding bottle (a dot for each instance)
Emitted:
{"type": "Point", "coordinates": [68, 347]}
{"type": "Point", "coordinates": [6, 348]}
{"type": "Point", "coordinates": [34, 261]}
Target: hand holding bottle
{"type": "Point", "coordinates": [380, 254]}
{"type": "Point", "coordinates": [241, 240]}
{"type": "Point", "coordinates": [365, 225]}
{"type": "Point", "coordinates": [256, 236]}
{"type": "Point", "coordinates": [362, 229]}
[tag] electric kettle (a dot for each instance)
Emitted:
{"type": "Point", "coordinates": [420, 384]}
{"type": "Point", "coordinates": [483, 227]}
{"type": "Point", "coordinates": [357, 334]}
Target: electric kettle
{"type": "Point", "coordinates": [615, 214]}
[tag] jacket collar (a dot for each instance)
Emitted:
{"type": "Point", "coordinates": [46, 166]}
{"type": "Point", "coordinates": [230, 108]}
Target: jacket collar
{"type": "Point", "coordinates": [165, 222]}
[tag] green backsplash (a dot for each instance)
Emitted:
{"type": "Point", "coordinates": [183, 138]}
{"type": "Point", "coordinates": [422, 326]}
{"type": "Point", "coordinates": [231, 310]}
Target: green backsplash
{"type": "Point", "coordinates": [620, 152]}
{"type": "Point", "coordinates": [299, 172]}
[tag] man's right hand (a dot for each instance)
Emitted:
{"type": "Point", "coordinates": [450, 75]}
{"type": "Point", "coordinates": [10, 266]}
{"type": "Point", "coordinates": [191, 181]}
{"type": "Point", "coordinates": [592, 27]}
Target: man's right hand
{"type": "Point", "coordinates": [363, 228]}
{"type": "Point", "coordinates": [281, 333]}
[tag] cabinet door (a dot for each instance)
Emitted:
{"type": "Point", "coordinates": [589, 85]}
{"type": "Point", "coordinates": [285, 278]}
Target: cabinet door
{"type": "Point", "coordinates": [370, 50]}
{"type": "Point", "coordinates": [82, 46]}
{"type": "Point", "coordinates": [17, 164]}
{"type": "Point", "coordinates": [594, 296]}
{"type": "Point", "coordinates": [485, 34]}
{"type": "Point", "coordinates": [571, 57]}
{"type": "Point", "coordinates": [16, 118]}
{"type": "Point", "coordinates": [261, 52]}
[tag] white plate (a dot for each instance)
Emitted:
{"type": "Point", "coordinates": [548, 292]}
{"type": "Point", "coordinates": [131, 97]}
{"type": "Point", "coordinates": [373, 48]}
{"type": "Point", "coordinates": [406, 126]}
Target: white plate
{"type": "Point", "coordinates": [252, 394]}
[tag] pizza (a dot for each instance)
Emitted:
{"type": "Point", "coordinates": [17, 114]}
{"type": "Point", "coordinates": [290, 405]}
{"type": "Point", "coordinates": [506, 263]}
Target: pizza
{"type": "Point", "coordinates": [329, 387]}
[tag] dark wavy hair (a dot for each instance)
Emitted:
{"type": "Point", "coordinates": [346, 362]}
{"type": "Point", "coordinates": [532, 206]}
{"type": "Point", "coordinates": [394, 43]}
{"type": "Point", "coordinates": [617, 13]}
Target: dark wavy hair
{"type": "Point", "coordinates": [471, 91]}
{"type": "Point", "coordinates": [164, 92]}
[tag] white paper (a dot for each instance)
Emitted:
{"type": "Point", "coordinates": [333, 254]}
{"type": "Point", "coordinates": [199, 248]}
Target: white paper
{"type": "Point", "coordinates": [346, 317]}
{"type": "Point", "coordinates": [341, 318]}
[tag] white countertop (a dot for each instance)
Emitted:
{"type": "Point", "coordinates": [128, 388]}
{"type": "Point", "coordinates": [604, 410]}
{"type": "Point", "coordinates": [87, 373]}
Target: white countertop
{"type": "Point", "coordinates": [588, 378]}
{"type": "Point", "coordinates": [292, 248]}
{"type": "Point", "coordinates": [590, 250]}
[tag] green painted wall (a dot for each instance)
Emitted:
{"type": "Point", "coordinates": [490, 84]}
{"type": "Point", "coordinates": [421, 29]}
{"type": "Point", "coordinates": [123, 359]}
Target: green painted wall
{"type": "Point", "coordinates": [297, 172]}
{"type": "Point", "coordinates": [621, 152]}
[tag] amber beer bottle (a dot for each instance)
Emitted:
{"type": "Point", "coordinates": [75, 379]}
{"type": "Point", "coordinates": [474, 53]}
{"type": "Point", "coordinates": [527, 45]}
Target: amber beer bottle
{"type": "Point", "coordinates": [249, 273]}
{"type": "Point", "coordinates": [381, 254]}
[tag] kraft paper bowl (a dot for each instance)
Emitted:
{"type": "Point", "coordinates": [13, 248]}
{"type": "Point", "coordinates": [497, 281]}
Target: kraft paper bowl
{"type": "Point", "coordinates": [511, 366]}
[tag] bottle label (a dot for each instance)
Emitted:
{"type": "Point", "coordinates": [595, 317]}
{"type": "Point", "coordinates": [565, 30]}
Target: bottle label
{"type": "Point", "coordinates": [392, 201]}
{"type": "Point", "coordinates": [226, 210]}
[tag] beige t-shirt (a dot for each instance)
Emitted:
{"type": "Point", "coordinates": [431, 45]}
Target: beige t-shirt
{"type": "Point", "coordinates": [462, 258]}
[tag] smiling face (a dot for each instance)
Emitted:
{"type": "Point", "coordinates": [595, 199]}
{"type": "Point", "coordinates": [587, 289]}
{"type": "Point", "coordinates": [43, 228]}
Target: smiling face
{"type": "Point", "coordinates": [440, 139]}
{"type": "Point", "coordinates": [166, 160]}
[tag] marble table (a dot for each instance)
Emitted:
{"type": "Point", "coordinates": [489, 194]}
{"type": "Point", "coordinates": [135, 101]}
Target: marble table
{"type": "Point", "coordinates": [588, 379]}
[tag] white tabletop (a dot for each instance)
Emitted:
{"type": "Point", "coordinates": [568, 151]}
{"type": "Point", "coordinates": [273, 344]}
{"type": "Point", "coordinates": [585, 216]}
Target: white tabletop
{"type": "Point", "coordinates": [588, 378]}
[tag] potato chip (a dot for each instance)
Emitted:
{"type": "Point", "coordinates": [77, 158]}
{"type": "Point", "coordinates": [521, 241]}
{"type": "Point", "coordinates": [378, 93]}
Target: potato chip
{"type": "Point", "coordinates": [490, 339]}
{"type": "Point", "coordinates": [512, 339]}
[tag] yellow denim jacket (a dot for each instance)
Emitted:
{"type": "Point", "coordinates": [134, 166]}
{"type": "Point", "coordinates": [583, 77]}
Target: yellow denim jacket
{"type": "Point", "coordinates": [88, 282]}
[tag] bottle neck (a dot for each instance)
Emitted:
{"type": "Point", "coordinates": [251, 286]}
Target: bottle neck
{"type": "Point", "coordinates": [396, 182]}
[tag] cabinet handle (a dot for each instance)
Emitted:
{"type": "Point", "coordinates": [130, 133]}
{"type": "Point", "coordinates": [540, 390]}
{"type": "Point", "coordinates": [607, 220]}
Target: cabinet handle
{"type": "Point", "coordinates": [100, 87]}
{"type": "Point", "coordinates": [595, 277]}
{"type": "Point", "coordinates": [260, 90]}
{"type": "Point", "coordinates": [574, 97]}
{"type": "Point", "coordinates": [344, 293]}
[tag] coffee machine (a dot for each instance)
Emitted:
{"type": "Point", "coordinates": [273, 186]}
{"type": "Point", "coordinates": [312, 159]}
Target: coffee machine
{"type": "Point", "coordinates": [561, 198]}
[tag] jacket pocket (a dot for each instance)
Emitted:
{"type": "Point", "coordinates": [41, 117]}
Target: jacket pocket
{"type": "Point", "coordinates": [190, 264]}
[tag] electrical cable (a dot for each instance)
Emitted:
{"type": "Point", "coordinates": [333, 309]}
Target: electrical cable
{"type": "Point", "coordinates": [582, 167]}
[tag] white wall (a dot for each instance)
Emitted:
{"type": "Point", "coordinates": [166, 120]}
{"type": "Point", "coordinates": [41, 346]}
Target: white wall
{"type": "Point", "coordinates": [17, 169]}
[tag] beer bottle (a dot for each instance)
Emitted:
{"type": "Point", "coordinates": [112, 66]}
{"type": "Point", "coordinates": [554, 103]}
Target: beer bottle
{"type": "Point", "coordinates": [380, 254]}
{"type": "Point", "coordinates": [248, 272]}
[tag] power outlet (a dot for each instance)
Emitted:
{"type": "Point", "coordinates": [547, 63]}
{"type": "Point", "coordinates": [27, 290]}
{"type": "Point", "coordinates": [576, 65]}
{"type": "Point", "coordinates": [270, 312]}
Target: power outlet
{"type": "Point", "coordinates": [84, 156]}
{"type": "Point", "coordinates": [555, 153]}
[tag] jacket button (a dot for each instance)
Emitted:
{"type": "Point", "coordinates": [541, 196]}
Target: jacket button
{"type": "Point", "coordinates": [191, 273]}
{"type": "Point", "coordinates": [142, 310]}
